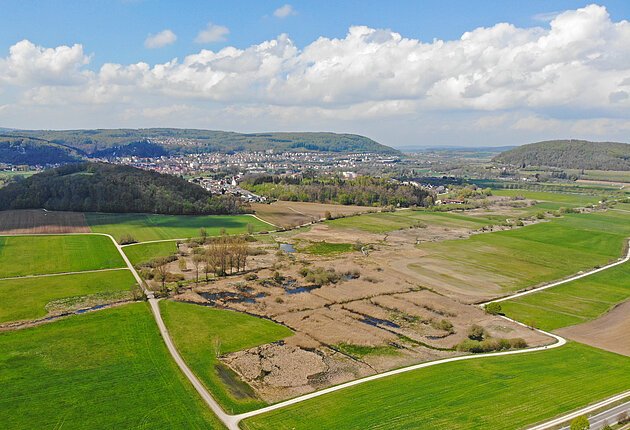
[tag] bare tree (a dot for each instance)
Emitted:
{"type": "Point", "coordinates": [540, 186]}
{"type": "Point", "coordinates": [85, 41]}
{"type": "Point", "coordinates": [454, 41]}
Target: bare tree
{"type": "Point", "coordinates": [197, 260]}
{"type": "Point", "coordinates": [161, 271]}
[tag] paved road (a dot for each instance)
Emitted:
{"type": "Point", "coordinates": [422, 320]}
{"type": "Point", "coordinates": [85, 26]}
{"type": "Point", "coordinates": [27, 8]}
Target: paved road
{"type": "Point", "coordinates": [597, 421]}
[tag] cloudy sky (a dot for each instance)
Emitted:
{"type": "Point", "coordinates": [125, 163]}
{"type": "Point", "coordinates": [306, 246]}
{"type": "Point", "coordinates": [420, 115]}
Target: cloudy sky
{"type": "Point", "coordinates": [413, 74]}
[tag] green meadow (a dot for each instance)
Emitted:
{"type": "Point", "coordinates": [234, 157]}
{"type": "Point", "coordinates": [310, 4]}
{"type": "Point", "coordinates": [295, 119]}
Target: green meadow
{"type": "Point", "coordinates": [26, 298]}
{"type": "Point", "coordinates": [384, 222]}
{"type": "Point", "coordinates": [35, 255]}
{"type": "Point", "coordinates": [537, 253]}
{"type": "Point", "coordinates": [145, 252]}
{"type": "Point", "coordinates": [146, 227]}
{"type": "Point", "coordinates": [505, 392]}
{"type": "Point", "coordinates": [198, 332]}
{"type": "Point", "coordinates": [107, 369]}
{"type": "Point", "coordinates": [574, 302]}
{"type": "Point", "coordinates": [325, 248]}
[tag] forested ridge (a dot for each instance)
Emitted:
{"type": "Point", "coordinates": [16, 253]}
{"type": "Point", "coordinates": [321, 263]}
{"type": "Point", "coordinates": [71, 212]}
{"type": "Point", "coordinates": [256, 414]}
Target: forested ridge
{"type": "Point", "coordinates": [61, 146]}
{"type": "Point", "coordinates": [101, 187]}
{"type": "Point", "coordinates": [570, 154]}
{"type": "Point", "coordinates": [362, 191]}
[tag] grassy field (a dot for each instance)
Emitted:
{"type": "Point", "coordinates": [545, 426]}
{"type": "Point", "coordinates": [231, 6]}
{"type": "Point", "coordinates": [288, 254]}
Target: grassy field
{"type": "Point", "coordinates": [574, 302]}
{"type": "Point", "coordinates": [145, 227]}
{"type": "Point", "coordinates": [107, 369]}
{"type": "Point", "coordinates": [145, 252]}
{"type": "Point", "coordinates": [34, 255]}
{"type": "Point", "coordinates": [384, 222]}
{"type": "Point", "coordinates": [552, 200]}
{"type": "Point", "coordinates": [325, 248]}
{"type": "Point", "coordinates": [26, 298]}
{"type": "Point", "coordinates": [235, 331]}
{"type": "Point", "coordinates": [510, 392]}
{"type": "Point", "coordinates": [536, 253]}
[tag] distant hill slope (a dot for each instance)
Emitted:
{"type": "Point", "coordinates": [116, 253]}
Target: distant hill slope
{"type": "Point", "coordinates": [570, 154]}
{"type": "Point", "coordinates": [100, 187]}
{"type": "Point", "coordinates": [33, 151]}
{"type": "Point", "coordinates": [163, 141]}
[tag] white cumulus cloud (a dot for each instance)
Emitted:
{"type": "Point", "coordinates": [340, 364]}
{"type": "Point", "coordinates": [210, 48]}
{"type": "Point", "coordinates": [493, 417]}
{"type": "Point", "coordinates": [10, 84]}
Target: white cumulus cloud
{"type": "Point", "coordinates": [160, 40]}
{"type": "Point", "coordinates": [212, 33]}
{"type": "Point", "coordinates": [284, 11]}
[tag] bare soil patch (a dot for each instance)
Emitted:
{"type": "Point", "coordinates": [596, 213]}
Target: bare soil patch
{"type": "Point", "coordinates": [610, 332]}
{"type": "Point", "coordinates": [292, 214]}
{"type": "Point", "coordinates": [39, 221]}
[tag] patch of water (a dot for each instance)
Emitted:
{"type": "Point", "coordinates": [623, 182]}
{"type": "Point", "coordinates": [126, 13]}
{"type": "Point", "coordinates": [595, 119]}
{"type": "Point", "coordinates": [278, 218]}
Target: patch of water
{"type": "Point", "coordinates": [287, 247]}
{"type": "Point", "coordinates": [304, 289]}
{"type": "Point", "coordinates": [373, 321]}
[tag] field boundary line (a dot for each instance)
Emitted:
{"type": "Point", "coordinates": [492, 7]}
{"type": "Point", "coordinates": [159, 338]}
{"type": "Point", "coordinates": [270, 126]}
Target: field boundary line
{"type": "Point", "coordinates": [563, 281]}
{"type": "Point", "coordinates": [45, 275]}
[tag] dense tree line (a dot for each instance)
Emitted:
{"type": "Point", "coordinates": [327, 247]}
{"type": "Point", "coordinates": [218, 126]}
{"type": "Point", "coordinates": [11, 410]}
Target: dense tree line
{"type": "Point", "coordinates": [572, 154]}
{"type": "Point", "coordinates": [362, 191]}
{"type": "Point", "coordinates": [100, 187]}
{"type": "Point", "coordinates": [23, 150]}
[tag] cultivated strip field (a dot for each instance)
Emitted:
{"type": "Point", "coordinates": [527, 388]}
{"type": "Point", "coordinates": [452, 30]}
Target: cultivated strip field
{"type": "Point", "coordinates": [214, 334]}
{"type": "Point", "coordinates": [145, 252]}
{"type": "Point", "coordinates": [292, 214]}
{"type": "Point", "coordinates": [147, 227]}
{"type": "Point", "coordinates": [440, 397]}
{"type": "Point", "coordinates": [538, 253]}
{"type": "Point", "coordinates": [107, 369]}
{"type": "Point", "coordinates": [574, 302]}
{"type": "Point", "coordinates": [38, 221]}
{"type": "Point", "coordinates": [31, 298]}
{"type": "Point", "coordinates": [33, 255]}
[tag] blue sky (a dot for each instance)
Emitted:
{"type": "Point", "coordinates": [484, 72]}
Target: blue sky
{"type": "Point", "coordinates": [115, 30]}
{"type": "Point", "coordinates": [406, 73]}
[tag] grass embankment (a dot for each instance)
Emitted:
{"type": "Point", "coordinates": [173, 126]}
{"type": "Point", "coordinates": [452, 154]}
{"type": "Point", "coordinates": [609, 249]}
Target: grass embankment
{"type": "Point", "coordinates": [574, 302]}
{"type": "Point", "coordinates": [26, 298]}
{"type": "Point", "coordinates": [534, 254]}
{"type": "Point", "coordinates": [145, 252]}
{"type": "Point", "coordinates": [107, 369]}
{"type": "Point", "coordinates": [509, 392]}
{"type": "Point", "coordinates": [197, 332]}
{"type": "Point", "coordinates": [35, 255]}
{"type": "Point", "coordinates": [145, 227]}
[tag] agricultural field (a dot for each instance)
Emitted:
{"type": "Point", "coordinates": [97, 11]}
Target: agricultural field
{"type": "Point", "coordinates": [574, 302]}
{"type": "Point", "coordinates": [106, 369]}
{"type": "Point", "coordinates": [31, 298]}
{"type": "Point", "coordinates": [145, 252]}
{"type": "Point", "coordinates": [549, 200]}
{"type": "Point", "coordinates": [384, 222]}
{"type": "Point", "coordinates": [291, 214]}
{"type": "Point", "coordinates": [563, 379]}
{"type": "Point", "coordinates": [35, 255]}
{"type": "Point", "coordinates": [38, 221]}
{"type": "Point", "coordinates": [536, 254]}
{"type": "Point", "coordinates": [325, 248]}
{"type": "Point", "coordinates": [147, 227]}
{"type": "Point", "coordinates": [217, 332]}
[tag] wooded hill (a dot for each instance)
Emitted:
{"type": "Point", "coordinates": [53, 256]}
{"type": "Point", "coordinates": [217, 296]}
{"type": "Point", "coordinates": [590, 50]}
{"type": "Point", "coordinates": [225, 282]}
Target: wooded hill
{"type": "Point", "coordinates": [154, 142]}
{"type": "Point", "coordinates": [100, 187]}
{"type": "Point", "coordinates": [570, 154]}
